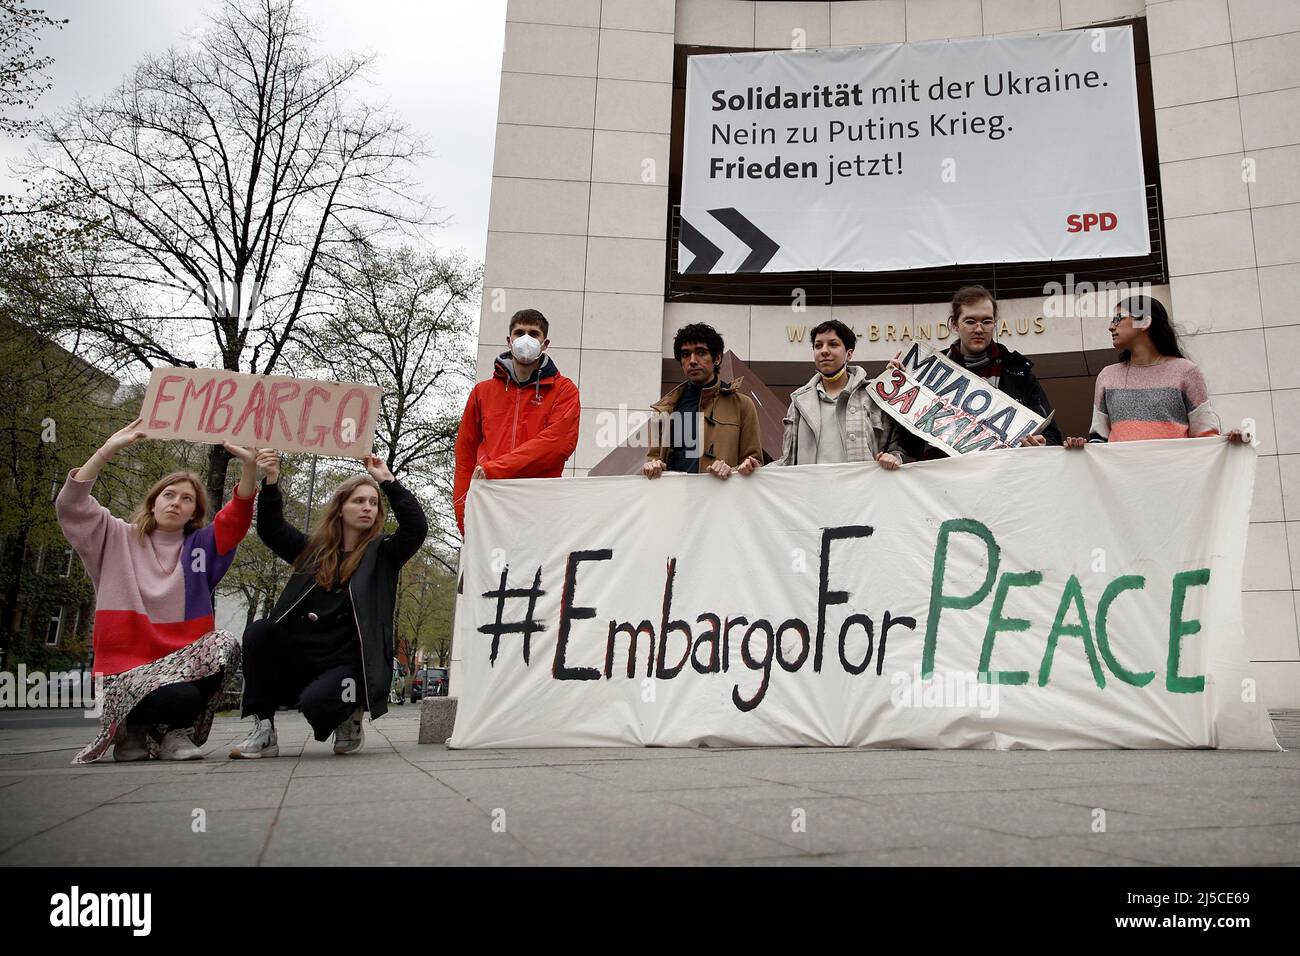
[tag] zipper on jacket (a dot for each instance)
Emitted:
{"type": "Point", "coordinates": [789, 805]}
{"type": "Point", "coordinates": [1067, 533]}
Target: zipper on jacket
{"type": "Point", "coordinates": [365, 682]}
{"type": "Point", "coordinates": [514, 425]}
{"type": "Point", "coordinates": [295, 603]}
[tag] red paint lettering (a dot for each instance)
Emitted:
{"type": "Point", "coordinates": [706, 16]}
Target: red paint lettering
{"type": "Point", "coordinates": [357, 420]}
{"type": "Point", "coordinates": [273, 410]}
{"type": "Point", "coordinates": [192, 392]}
{"type": "Point", "coordinates": [256, 407]}
{"type": "Point", "coordinates": [226, 388]}
{"type": "Point", "coordinates": [162, 397]}
{"type": "Point", "coordinates": [318, 433]}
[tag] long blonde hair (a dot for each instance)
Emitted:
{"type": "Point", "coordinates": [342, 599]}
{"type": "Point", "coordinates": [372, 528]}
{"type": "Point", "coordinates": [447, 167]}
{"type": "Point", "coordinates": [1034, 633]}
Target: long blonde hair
{"type": "Point", "coordinates": [324, 552]}
{"type": "Point", "coordinates": [143, 520]}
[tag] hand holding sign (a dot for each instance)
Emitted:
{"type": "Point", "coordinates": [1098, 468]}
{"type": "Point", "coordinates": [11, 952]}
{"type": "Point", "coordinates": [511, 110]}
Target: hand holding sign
{"type": "Point", "coordinates": [377, 467]}
{"type": "Point", "coordinates": [124, 437]}
{"type": "Point", "coordinates": [951, 407]}
{"type": "Point", "coordinates": [268, 459]}
{"type": "Point", "coordinates": [128, 434]}
{"type": "Point", "coordinates": [246, 456]}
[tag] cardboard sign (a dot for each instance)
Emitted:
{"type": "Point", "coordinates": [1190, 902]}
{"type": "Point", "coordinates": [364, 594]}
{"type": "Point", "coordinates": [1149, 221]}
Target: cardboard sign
{"type": "Point", "coordinates": [263, 411]}
{"type": "Point", "coordinates": [936, 399]}
{"type": "Point", "coordinates": [996, 601]}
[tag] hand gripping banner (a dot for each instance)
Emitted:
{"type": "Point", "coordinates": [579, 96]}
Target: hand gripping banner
{"type": "Point", "coordinates": [1027, 598]}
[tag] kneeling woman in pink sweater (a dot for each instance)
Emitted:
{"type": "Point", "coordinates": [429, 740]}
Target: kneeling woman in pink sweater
{"type": "Point", "coordinates": [163, 661]}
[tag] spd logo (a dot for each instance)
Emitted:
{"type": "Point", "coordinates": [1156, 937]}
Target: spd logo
{"type": "Point", "coordinates": [1085, 222]}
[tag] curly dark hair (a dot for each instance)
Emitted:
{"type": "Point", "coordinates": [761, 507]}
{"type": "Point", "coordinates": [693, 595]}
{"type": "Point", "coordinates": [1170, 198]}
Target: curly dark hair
{"type": "Point", "coordinates": [705, 335]}
{"type": "Point", "coordinates": [839, 328]}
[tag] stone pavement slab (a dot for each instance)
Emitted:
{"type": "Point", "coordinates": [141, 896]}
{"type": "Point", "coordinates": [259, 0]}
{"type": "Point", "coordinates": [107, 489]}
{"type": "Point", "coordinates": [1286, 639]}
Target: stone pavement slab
{"type": "Point", "coordinates": [402, 803]}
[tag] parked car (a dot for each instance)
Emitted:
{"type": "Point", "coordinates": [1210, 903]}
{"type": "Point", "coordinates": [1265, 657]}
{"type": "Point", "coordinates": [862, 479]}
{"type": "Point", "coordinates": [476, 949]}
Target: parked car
{"type": "Point", "coordinates": [429, 682]}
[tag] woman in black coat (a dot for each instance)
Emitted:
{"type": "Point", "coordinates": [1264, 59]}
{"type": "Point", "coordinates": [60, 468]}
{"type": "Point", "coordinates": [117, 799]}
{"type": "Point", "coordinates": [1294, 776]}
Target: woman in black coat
{"type": "Point", "coordinates": [327, 647]}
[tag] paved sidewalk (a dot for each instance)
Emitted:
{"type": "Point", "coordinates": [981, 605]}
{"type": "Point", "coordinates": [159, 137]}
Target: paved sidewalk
{"type": "Point", "coordinates": [398, 802]}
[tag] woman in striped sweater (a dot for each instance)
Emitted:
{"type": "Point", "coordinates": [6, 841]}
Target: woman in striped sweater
{"type": "Point", "coordinates": [163, 661]}
{"type": "Point", "coordinates": [1153, 391]}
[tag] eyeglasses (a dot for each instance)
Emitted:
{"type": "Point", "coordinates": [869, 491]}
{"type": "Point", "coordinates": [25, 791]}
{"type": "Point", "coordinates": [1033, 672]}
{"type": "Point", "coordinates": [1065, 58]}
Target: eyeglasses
{"type": "Point", "coordinates": [1117, 320]}
{"type": "Point", "coordinates": [978, 323]}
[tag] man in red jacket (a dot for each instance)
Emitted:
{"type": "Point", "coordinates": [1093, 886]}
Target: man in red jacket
{"type": "Point", "coordinates": [523, 421]}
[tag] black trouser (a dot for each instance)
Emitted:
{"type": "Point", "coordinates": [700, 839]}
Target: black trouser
{"type": "Point", "coordinates": [275, 675]}
{"type": "Point", "coordinates": [176, 705]}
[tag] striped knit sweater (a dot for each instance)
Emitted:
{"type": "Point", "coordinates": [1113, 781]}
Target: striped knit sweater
{"type": "Point", "coordinates": [1165, 400]}
{"type": "Point", "coordinates": [152, 597]}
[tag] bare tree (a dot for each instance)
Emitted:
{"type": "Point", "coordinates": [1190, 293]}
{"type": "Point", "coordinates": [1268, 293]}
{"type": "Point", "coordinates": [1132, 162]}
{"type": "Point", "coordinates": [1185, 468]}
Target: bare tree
{"type": "Point", "coordinates": [402, 321]}
{"type": "Point", "coordinates": [425, 598]}
{"type": "Point", "coordinates": [216, 178]}
{"type": "Point", "coordinates": [22, 72]}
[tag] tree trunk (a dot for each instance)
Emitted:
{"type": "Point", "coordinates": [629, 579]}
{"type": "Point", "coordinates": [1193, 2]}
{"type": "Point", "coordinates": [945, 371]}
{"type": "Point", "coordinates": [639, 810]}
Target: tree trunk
{"type": "Point", "coordinates": [8, 628]}
{"type": "Point", "coordinates": [218, 462]}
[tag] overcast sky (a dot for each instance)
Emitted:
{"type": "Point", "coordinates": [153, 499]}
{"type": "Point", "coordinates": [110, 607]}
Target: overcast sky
{"type": "Point", "coordinates": [438, 67]}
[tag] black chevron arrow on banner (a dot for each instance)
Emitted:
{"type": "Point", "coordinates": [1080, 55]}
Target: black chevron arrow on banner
{"type": "Point", "coordinates": [762, 247]}
{"type": "Point", "coordinates": [706, 253]}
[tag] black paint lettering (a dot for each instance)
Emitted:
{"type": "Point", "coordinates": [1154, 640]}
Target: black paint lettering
{"type": "Point", "coordinates": [667, 626]}
{"type": "Point", "coordinates": [907, 622]}
{"type": "Point", "coordinates": [867, 626]}
{"type": "Point", "coordinates": [800, 628]}
{"type": "Point", "coordinates": [827, 598]}
{"type": "Point", "coordinates": [569, 613]}
{"type": "Point", "coordinates": [764, 664]}
{"type": "Point", "coordinates": [616, 628]}
{"type": "Point", "coordinates": [712, 637]}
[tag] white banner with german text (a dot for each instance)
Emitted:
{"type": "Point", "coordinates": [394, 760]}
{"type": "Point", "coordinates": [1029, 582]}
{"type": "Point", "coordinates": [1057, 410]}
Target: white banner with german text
{"type": "Point", "coordinates": [907, 155]}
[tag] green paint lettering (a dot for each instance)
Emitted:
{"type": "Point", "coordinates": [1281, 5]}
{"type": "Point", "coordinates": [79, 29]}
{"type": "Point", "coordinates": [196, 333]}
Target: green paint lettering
{"type": "Point", "coordinates": [1023, 579]}
{"type": "Point", "coordinates": [1178, 629]}
{"type": "Point", "coordinates": [1073, 594]}
{"type": "Point", "coordinates": [1129, 582]}
{"type": "Point", "coordinates": [939, 600]}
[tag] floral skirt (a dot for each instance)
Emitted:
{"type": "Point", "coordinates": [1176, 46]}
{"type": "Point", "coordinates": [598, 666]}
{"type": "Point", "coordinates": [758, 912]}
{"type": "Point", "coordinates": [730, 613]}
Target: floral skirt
{"type": "Point", "coordinates": [216, 651]}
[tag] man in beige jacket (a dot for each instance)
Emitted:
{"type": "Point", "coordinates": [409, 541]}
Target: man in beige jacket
{"type": "Point", "coordinates": [704, 424]}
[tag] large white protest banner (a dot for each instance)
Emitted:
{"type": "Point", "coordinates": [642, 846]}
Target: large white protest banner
{"type": "Point", "coordinates": [936, 399]}
{"type": "Point", "coordinates": [899, 156]}
{"type": "Point", "coordinates": [279, 411]}
{"type": "Point", "coordinates": [1044, 598]}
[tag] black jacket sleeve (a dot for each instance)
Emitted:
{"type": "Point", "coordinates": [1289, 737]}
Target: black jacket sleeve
{"type": "Point", "coordinates": [412, 526]}
{"type": "Point", "coordinates": [286, 541]}
{"type": "Point", "coordinates": [1039, 403]}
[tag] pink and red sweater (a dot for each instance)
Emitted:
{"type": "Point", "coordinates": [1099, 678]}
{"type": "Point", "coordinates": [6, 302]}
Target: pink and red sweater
{"type": "Point", "coordinates": [1139, 402]}
{"type": "Point", "coordinates": [152, 596]}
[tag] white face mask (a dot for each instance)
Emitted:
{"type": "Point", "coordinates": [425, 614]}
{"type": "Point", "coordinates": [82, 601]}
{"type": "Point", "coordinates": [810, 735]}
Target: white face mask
{"type": "Point", "coordinates": [526, 349]}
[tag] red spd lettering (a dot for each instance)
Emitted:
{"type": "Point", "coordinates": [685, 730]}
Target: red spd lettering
{"type": "Point", "coordinates": [1087, 221]}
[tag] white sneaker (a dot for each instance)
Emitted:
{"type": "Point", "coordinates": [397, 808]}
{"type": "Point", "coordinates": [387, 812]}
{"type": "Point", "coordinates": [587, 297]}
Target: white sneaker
{"type": "Point", "coordinates": [132, 744]}
{"type": "Point", "coordinates": [260, 742]}
{"type": "Point", "coordinates": [177, 745]}
{"type": "Point", "coordinates": [350, 735]}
